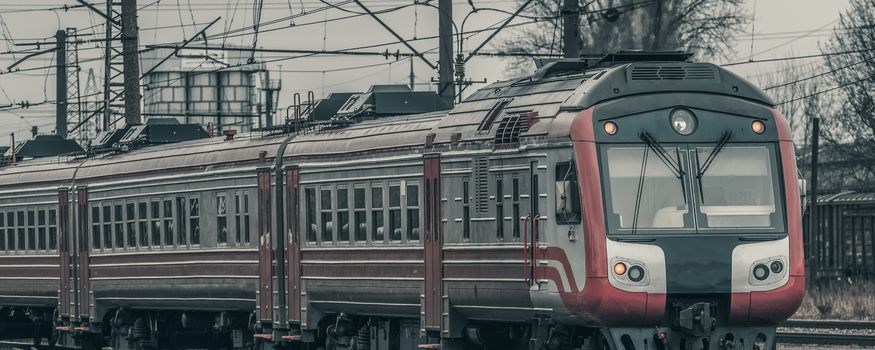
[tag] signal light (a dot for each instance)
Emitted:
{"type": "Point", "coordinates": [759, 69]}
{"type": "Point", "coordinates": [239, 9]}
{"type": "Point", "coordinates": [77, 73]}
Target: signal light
{"type": "Point", "coordinates": [620, 268]}
{"type": "Point", "coordinates": [758, 126]}
{"type": "Point", "coordinates": [610, 128]}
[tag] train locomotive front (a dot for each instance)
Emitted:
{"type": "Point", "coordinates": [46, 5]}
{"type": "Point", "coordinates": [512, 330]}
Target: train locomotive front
{"type": "Point", "coordinates": [691, 209]}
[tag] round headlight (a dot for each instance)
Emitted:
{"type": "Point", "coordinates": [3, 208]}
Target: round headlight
{"type": "Point", "coordinates": [619, 268]}
{"type": "Point", "coordinates": [683, 121]}
{"type": "Point", "coordinates": [610, 128]}
{"type": "Point", "coordinates": [760, 272]}
{"type": "Point", "coordinates": [758, 126]}
{"type": "Point", "coordinates": [777, 266]}
{"type": "Point", "coordinates": [636, 273]}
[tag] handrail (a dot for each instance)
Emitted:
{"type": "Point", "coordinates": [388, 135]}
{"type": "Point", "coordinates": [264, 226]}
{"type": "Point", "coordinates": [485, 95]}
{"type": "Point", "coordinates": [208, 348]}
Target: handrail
{"type": "Point", "coordinates": [526, 249]}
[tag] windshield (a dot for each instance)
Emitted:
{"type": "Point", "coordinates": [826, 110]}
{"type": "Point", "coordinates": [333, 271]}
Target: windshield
{"type": "Point", "coordinates": [661, 203]}
{"type": "Point", "coordinates": [736, 192]}
{"type": "Point", "coordinates": [738, 188]}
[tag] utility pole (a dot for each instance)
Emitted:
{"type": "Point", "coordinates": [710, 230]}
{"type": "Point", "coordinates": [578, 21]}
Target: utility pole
{"type": "Point", "coordinates": [61, 83]}
{"type": "Point", "coordinates": [412, 76]}
{"type": "Point", "coordinates": [131, 59]}
{"type": "Point", "coordinates": [812, 211]}
{"type": "Point", "coordinates": [570, 29]}
{"type": "Point", "coordinates": [107, 66]}
{"type": "Point", "coordinates": [446, 82]}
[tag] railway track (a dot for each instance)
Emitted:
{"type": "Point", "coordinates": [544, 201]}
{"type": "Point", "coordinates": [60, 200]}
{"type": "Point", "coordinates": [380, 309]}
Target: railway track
{"type": "Point", "coordinates": [20, 345]}
{"type": "Point", "coordinates": [827, 332]}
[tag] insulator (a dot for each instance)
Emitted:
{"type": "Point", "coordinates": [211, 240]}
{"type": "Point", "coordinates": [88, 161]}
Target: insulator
{"type": "Point", "coordinates": [459, 66]}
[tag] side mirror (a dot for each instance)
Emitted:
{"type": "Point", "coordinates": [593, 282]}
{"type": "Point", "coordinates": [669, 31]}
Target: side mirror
{"type": "Point", "coordinates": [803, 193]}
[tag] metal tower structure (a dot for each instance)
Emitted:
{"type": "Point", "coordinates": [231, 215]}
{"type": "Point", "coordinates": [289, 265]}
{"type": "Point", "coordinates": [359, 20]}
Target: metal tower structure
{"type": "Point", "coordinates": [74, 93]}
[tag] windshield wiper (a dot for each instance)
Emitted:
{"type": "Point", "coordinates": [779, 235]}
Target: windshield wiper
{"type": "Point", "coordinates": [703, 167]}
{"type": "Point", "coordinates": [674, 166]}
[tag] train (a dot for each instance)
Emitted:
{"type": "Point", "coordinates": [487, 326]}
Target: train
{"type": "Point", "coordinates": [634, 201]}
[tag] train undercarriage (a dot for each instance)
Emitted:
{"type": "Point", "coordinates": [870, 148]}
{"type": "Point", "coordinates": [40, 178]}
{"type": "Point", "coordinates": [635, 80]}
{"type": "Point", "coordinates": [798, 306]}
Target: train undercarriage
{"type": "Point", "coordinates": [152, 329]}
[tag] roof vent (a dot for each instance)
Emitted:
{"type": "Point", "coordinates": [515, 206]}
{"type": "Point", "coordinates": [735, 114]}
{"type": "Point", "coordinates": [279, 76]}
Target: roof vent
{"type": "Point", "coordinates": [691, 72]}
{"type": "Point", "coordinates": [509, 129]}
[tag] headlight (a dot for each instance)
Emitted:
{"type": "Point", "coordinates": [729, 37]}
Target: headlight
{"type": "Point", "coordinates": [777, 266]}
{"type": "Point", "coordinates": [760, 272]}
{"type": "Point", "coordinates": [683, 121]}
{"type": "Point", "coordinates": [636, 273]}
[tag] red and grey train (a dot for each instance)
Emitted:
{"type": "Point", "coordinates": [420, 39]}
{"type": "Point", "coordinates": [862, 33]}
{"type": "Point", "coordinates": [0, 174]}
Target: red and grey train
{"type": "Point", "coordinates": [637, 201]}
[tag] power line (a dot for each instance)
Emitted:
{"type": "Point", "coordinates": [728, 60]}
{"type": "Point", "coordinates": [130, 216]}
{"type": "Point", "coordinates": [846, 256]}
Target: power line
{"type": "Point", "coordinates": [796, 57]}
{"type": "Point", "coordinates": [871, 77]}
{"type": "Point", "coordinates": [818, 75]}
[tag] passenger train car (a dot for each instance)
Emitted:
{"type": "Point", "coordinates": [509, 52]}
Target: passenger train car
{"type": "Point", "coordinates": [637, 201]}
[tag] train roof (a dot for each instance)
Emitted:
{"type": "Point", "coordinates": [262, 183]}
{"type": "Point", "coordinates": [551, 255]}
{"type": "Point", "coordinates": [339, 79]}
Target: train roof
{"type": "Point", "coordinates": [528, 109]}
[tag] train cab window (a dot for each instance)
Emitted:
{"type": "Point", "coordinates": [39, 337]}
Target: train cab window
{"type": "Point", "coordinates": [310, 195]}
{"type": "Point", "coordinates": [53, 229]}
{"type": "Point", "coordinates": [515, 203]}
{"type": "Point", "coordinates": [567, 194]}
{"type": "Point", "coordinates": [131, 224]}
{"type": "Point", "coordinates": [119, 222]}
{"type": "Point", "coordinates": [156, 223]}
{"type": "Point", "coordinates": [342, 214]}
{"type": "Point", "coordinates": [2, 232]}
{"type": "Point", "coordinates": [499, 208]}
{"type": "Point", "coordinates": [221, 219]}
{"type": "Point", "coordinates": [181, 222]}
{"type": "Point", "coordinates": [466, 211]}
{"type": "Point", "coordinates": [394, 212]}
{"type": "Point", "coordinates": [143, 223]}
{"type": "Point", "coordinates": [326, 214]}
{"type": "Point", "coordinates": [377, 213]}
{"type": "Point", "coordinates": [95, 228]}
{"type": "Point", "coordinates": [168, 222]}
{"type": "Point", "coordinates": [194, 215]}
{"type": "Point", "coordinates": [412, 212]}
{"type": "Point", "coordinates": [360, 225]}
{"type": "Point", "coordinates": [31, 230]}
{"type": "Point", "coordinates": [41, 229]}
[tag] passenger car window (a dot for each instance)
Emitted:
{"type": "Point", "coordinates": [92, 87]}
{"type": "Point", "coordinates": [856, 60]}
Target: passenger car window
{"type": "Point", "coordinates": [377, 213]}
{"type": "Point", "coordinates": [412, 212]}
{"type": "Point", "coordinates": [327, 223]}
{"type": "Point", "coordinates": [342, 214]}
{"type": "Point", "coordinates": [361, 226]}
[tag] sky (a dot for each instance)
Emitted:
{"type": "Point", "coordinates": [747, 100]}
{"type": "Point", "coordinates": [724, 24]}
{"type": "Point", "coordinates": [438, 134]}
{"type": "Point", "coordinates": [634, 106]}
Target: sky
{"type": "Point", "coordinates": [781, 28]}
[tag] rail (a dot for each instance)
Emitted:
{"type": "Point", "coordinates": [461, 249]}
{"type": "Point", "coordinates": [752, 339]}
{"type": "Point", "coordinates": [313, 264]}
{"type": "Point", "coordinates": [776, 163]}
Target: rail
{"type": "Point", "coordinates": [823, 332]}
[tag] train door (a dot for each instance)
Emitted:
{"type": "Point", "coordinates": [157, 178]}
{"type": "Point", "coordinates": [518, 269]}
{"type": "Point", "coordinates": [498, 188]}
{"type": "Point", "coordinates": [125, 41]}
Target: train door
{"type": "Point", "coordinates": [265, 252]}
{"type": "Point", "coordinates": [432, 305]}
{"type": "Point", "coordinates": [65, 255]}
{"type": "Point", "coordinates": [84, 305]}
{"type": "Point", "coordinates": [294, 246]}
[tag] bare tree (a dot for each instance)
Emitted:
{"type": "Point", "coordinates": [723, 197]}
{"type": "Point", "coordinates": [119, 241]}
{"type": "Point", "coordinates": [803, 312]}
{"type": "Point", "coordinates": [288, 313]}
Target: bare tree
{"type": "Point", "coordinates": [853, 73]}
{"type": "Point", "coordinates": [704, 27]}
